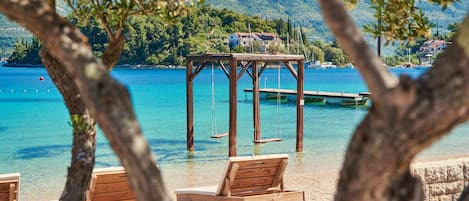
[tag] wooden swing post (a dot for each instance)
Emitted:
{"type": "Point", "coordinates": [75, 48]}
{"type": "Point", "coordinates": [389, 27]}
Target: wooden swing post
{"type": "Point", "coordinates": [256, 103]}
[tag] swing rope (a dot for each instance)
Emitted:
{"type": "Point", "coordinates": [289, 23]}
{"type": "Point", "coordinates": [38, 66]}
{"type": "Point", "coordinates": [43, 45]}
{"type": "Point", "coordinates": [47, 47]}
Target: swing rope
{"type": "Point", "coordinates": [279, 127]}
{"type": "Point", "coordinates": [214, 108]}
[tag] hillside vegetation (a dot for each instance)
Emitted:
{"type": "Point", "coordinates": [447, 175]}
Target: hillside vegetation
{"type": "Point", "coordinates": [302, 12]}
{"type": "Point", "coordinates": [150, 41]}
{"type": "Point", "coordinates": [307, 12]}
{"type": "Point", "coordinates": [153, 41]}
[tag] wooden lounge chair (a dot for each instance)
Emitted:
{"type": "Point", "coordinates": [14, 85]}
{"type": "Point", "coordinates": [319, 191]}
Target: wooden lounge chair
{"type": "Point", "coordinates": [245, 179]}
{"type": "Point", "coordinates": [9, 187]}
{"type": "Point", "coordinates": [110, 184]}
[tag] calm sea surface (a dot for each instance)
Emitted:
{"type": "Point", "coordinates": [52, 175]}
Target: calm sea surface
{"type": "Point", "coordinates": [35, 133]}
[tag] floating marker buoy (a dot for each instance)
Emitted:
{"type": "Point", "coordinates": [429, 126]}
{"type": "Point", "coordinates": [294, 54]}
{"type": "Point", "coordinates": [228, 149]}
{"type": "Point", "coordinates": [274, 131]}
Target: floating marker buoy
{"type": "Point", "coordinates": [41, 78]}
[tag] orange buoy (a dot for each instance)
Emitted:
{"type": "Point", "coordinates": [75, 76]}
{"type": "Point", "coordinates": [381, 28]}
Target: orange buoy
{"type": "Point", "coordinates": [41, 78]}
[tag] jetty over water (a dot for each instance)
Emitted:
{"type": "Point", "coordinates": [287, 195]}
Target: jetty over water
{"type": "Point", "coordinates": [314, 97]}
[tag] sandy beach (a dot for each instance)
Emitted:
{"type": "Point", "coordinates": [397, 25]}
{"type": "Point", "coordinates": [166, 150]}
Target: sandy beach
{"type": "Point", "coordinates": [317, 186]}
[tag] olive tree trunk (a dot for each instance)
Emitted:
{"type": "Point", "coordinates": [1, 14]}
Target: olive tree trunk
{"type": "Point", "coordinates": [84, 131]}
{"type": "Point", "coordinates": [113, 51]}
{"type": "Point", "coordinates": [107, 100]}
{"type": "Point", "coordinates": [407, 115]}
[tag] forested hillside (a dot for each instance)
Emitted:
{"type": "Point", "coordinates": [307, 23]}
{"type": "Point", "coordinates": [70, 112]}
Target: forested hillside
{"type": "Point", "coordinates": [11, 33]}
{"type": "Point", "coordinates": [151, 41]}
{"type": "Point", "coordinates": [154, 41]}
{"type": "Point", "coordinates": [307, 12]}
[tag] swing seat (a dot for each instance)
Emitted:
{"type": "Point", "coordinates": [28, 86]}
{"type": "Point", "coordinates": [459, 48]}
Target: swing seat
{"type": "Point", "coordinates": [218, 136]}
{"type": "Point", "coordinates": [268, 140]}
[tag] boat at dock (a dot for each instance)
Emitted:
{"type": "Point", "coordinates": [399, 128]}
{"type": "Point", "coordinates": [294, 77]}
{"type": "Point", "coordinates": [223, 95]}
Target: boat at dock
{"type": "Point", "coordinates": [316, 97]}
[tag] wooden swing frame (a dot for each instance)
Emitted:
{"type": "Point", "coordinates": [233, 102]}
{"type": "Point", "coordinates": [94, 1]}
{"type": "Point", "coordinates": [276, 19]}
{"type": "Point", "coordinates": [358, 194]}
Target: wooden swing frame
{"type": "Point", "coordinates": [250, 67]}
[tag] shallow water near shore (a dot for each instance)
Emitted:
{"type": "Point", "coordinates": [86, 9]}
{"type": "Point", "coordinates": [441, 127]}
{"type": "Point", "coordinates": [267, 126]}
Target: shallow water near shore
{"type": "Point", "coordinates": [35, 133]}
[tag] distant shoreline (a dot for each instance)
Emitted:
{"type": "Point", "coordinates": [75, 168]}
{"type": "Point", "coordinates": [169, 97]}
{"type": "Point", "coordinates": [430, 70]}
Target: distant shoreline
{"type": "Point", "coordinates": [122, 66]}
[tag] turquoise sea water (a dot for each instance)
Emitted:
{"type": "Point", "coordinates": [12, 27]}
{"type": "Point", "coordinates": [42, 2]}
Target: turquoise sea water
{"type": "Point", "coordinates": [35, 135]}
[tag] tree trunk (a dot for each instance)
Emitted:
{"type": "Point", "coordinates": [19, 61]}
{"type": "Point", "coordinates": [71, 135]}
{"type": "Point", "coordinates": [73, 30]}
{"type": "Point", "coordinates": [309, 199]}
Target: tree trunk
{"type": "Point", "coordinates": [108, 101]}
{"type": "Point", "coordinates": [407, 116]}
{"type": "Point", "coordinates": [113, 51]}
{"type": "Point", "coordinates": [84, 130]}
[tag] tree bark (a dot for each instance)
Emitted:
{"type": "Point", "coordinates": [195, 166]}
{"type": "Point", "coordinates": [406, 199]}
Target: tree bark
{"type": "Point", "coordinates": [406, 117]}
{"type": "Point", "coordinates": [113, 51]}
{"type": "Point", "coordinates": [107, 100]}
{"type": "Point", "coordinates": [84, 130]}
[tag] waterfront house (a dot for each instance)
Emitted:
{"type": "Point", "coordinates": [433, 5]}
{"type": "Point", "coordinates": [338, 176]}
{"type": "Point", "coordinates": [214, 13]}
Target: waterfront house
{"type": "Point", "coordinates": [431, 48]}
{"type": "Point", "coordinates": [259, 42]}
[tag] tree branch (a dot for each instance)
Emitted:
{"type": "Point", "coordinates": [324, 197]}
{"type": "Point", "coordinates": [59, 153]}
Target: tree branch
{"type": "Point", "coordinates": [384, 144]}
{"type": "Point", "coordinates": [377, 77]}
{"type": "Point", "coordinates": [108, 100]}
{"type": "Point", "coordinates": [113, 51]}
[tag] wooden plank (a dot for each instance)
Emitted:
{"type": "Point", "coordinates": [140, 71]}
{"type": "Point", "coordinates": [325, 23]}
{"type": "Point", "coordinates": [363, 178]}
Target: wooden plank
{"type": "Point", "coordinates": [4, 187]}
{"type": "Point", "coordinates": [309, 93]}
{"type": "Point", "coordinates": [91, 188]}
{"type": "Point", "coordinates": [292, 70]}
{"type": "Point", "coordinates": [4, 196]}
{"type": "Point", "coordinates": [233, 172]}
{"type": "Point", "coordinates": [259, 163]}
{"type": "Point", "coordinates": [111, 177]}
{"type": "Point", "coordinates": [268, 140]}
{"type": "Point", "coordinates": [279, 196]}
{"type": "Point", "coordinates": [114, 196]}
{"type": "Point", "coordinates": [253, 182]}
{"type": "Point", "coordinates": [244, 68]}
{"type": "Point", "coordinates": [254, 172]}
{"type": "Point", "coordinates": [199, 68]}
{"type": "Point", "coordinates": [200, 197]}
{"type": "Point", "coordinates": [209, 57]}
{"type": "Point", "coordinates": [262, 69]}
{"type": "Point", "coordinates": [221, 135]}
{"type": "Point", "coordinates": [222, 66]}
{"type": "Point", "coordinates": [267, 57]}
{"type": "Point", "coordinates": [251, 190]}
{"type": "Point", "coordinates": [112, 187]}
{"type": "Point", "coordinates": [278, 178]}
{"type": "Point", "coordinates": [13, 192]}
{"type": "Point", "coordinates": [8, 190]}
{"type": "Point", "coordinates": [244, 57]}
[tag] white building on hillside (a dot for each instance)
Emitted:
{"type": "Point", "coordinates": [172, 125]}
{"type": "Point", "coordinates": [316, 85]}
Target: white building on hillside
{"type": "Point", "coordinates": [431, 48]}
{"type": "Point", "coordinates": [261, 41]}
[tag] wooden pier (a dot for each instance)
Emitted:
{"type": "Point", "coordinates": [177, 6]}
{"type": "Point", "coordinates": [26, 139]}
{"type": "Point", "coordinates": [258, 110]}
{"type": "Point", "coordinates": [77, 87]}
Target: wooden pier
{"type": "Point", "coordinates": [316, 97]}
